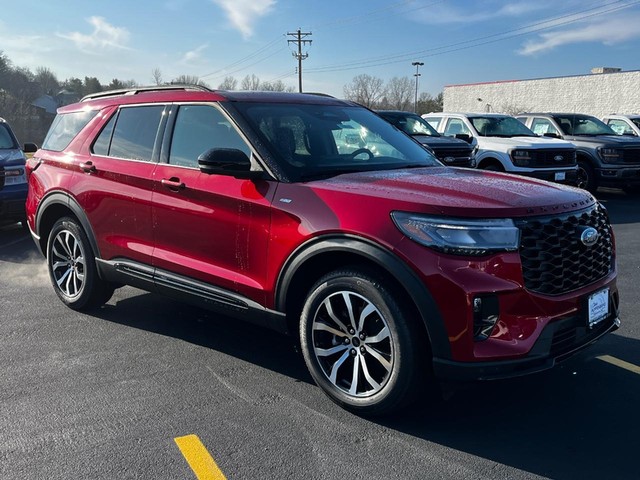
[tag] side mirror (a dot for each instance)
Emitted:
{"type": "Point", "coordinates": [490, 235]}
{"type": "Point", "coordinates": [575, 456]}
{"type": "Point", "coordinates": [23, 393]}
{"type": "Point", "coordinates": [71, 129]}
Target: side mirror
{"type": "Point", "coordinates": [30, 147]}
{"type": "Point", "coordinates": [227, 161]}
{"type": "Point", "coordinates": [463, 136]}
{"type": "Point", "coordinates": [551, 135]}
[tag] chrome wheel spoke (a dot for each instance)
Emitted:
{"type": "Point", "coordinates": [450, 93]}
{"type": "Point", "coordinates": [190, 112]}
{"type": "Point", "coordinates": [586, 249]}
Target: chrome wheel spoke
{"type": "Point", "coordinates": [355, 374]}
{"type": "Point", "coordinates": [368, 376]}
{"type": "Point", "coordinates": [375, 354]}
{"type": "Point", "coordinates": [336, 366]}
{"type": "Point", "coordinates": [368, 310]}
{"type": "Point", "coordinates": [323, 327]}
{"type": "Point", "coordinates": [347, 301]}
{"type": "Point", "coordinates": [382, 335]}
{"type": "Point", "coordinates": [325, 352]}
{"type": "Point", "coordinates": [327, 305]}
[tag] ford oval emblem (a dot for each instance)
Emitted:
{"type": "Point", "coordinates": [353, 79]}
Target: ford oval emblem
{"type": "Point", "coordinates": [589, 236]}
{"type": "Point", "coordinates": [449, 159]}
{"type": "Point", "coordinates": [558, 158]}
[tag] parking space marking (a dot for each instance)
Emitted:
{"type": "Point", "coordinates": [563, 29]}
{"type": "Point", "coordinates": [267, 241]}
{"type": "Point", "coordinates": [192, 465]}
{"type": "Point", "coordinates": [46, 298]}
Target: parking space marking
{"type": "Point", "coordinates": [198, 458]}
{"type": "Point", "coordinates": [620, 363]}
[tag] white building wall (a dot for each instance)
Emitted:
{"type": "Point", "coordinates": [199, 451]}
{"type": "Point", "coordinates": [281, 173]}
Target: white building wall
{"type": "Point", "coordinates": [595, 94]}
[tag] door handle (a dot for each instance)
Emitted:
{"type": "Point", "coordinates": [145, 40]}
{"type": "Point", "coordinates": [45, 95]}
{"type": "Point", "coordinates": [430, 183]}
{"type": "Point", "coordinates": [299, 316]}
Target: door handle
{"type": "Point", "coordinates": [88, 167]}
{"type": "Point", "coordinates": [173, 183]}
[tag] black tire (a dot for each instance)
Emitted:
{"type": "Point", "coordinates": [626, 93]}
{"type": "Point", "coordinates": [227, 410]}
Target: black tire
{"type": "Point", "coordinates": [371, 364]}
{"type": "Point", "coordinates": [631, 189]}
{"type": "Point", "coordinates": [72, 267]}
{"type": "Point", "coordinates": [493, 167]}
{"type": "Point", "coordinates": [586, 177]}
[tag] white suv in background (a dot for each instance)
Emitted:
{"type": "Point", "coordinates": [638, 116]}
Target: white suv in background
{"type": "Point", "coordinates": [624, 124]}
{"type": "Point", "coordinates": [505, 144]}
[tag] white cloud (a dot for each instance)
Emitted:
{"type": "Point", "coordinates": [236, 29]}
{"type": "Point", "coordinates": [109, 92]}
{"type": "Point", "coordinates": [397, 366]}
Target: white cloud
{"type": "Point", "coordinates": [194, 55]}
{"type": "Point", "coordinates": [244, 13]}
{"type": "Point", "coordinates": [479, 12]}
{"type": "Point", "coordinates": [104, 36]}
{"type": "Point", "coordinates": [609, 33]}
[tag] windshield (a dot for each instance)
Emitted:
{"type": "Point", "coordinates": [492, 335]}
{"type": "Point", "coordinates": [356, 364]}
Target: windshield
{"type": "Point", "coordinates": [410, 123]}
{"type": "Point", "coordinates": [495, 126]}
{"type": "Point", "coordinates": [314, 141]}
{"type": "Point", "coordinates": [7, 140]}
{"type": "Point", "coordinates": [582, 125]}
{"type": "Point", "coordinates": [636, 121]}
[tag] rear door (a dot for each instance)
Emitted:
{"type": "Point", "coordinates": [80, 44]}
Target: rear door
{"type": "Point", "coordinates": [209, 228]}
{"type": "Point", "coordinates": [115, 182]}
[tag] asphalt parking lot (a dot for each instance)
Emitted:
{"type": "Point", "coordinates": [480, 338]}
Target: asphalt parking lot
{"type": "Point", "coordinates": [119, 394]}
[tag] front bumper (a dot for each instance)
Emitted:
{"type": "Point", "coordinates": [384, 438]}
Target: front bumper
{"type": "Point", "coordinates": [570, 177]}
{"type": "Point", "coordinates": [557, 342]}
{"type": "Point", "coordinates": [619, 176]}
{"type": "Point", "coordinates": [12, 203]}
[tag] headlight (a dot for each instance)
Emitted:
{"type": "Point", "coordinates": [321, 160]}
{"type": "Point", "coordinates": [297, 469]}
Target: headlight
{"type": "Point", "coordinates": [610, 155]}
{"type": "Point", "coordinates": [459, 236]}
{"type": "Point", "coordinates": [521, 158]}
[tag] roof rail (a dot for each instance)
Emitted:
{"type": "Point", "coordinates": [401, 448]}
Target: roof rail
{"type": "Point", "coordinates": [136, 90]}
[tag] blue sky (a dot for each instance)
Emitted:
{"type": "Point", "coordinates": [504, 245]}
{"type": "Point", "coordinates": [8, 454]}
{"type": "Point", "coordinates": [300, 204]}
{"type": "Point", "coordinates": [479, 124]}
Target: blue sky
{"type": "Point", "coordinates": [459, 41]}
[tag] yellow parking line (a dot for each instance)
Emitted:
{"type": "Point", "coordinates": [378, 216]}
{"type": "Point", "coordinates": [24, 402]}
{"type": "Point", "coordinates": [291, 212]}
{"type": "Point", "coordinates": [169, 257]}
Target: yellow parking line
{"type": "Point", "coordinates": [620, 363]}
{"type": "Point", "coordinates": [198, 458]}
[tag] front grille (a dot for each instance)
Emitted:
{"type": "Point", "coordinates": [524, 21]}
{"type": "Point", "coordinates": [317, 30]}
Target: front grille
{"type": "Point", "coordinates": [459, 155]}
{"type": "Point", "coordinates": [568, 338]}
{"type": "Point", "coordinates": [1, 178]}
{"type": "Point", "coordinates": [631, 155]}
{"type": "Point", "coordinates": [553, 158]}
{"type": "Point", "coordinates": [555, 261]}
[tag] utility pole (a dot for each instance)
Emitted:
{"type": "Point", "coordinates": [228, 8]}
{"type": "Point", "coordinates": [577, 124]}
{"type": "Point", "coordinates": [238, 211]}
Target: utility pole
{"type": "Point", "coordinates": [415, 102]}
{"type": "Point", "coordinates": [299, 41]}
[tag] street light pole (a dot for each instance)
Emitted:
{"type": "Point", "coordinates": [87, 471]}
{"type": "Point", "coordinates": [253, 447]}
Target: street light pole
{"type": "Point", "coordinates": [415, 102]}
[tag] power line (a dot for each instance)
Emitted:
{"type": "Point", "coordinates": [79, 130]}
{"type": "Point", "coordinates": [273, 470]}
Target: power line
{"type": "Point", "coordinates": [379, 61]}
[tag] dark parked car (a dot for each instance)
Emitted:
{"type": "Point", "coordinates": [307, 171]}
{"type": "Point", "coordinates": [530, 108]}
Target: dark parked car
{"type": "Point", "coordinates": [315, 216]}
{"type": "Point", "coordinates": [13, 180]}
{"type": "Point", "coordinates": [604, 158]}
{"type": "Point", "coordinates": [452, 151]}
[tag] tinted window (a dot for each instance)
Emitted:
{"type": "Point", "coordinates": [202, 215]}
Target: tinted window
{"type": "Point", "coordinates": [64, 129]}
{"type": "Point", "coordinates": [102, 143]}
{"type": "Point", "coordinates": [620, 127]}
{"type": "Point", "coordinates": [135, 132]}
{"type": "Point", "coordinates": [497, 126]}
{"type": "Point", "coordinates": [582, 125]}
{"type": "Point", "coordinates": [199, 128]}
{"type": "Point", "coordinates": [434, 121]}
{"type": "Point", "coordinates": [6, 139]}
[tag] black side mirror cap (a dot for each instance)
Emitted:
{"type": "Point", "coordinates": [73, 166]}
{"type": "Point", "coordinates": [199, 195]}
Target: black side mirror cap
{"type": "Point", "coordinates": [551, 135]}
{"type": "Point", "coordinates": [463, 136]}
{"type": "Point", "coordinates": [227, 161]}
{"type": "Point", "coordinates": [30, 147]}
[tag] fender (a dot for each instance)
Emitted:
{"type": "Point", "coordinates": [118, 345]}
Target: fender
{"type": "Point", "coordinates": [63, 198]}
{"type": "Point", "coordinates": [387, 261]}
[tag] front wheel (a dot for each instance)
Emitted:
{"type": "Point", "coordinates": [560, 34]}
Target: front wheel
{"type": "Point", "coordinates": [72, 267]}
{"type": "Point", "coordinates": [586, 177]}
{"type": "Point", "coordinates": [359, 345]}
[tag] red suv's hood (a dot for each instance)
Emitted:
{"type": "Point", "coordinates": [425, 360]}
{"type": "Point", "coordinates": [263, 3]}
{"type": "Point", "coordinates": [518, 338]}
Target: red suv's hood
{"type": "Point", "coordinates": [462, 192]}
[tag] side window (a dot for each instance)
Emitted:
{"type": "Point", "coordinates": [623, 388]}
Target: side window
{"type": "Point", "coordinates": [64, 129]}
{"type": "Point", "coordinates": [200, 128]}
{"type": "Point", "coordinates": [135, 132]}
{"type": "Point", "coordinates": [456, 126]}
{"type": "Point", "coordinates": [620, 127]}
{"type": "Point", "coordinates": [434, 121]}
{"type": "Point", "coordinates": [540, 126]}
{"type": "Point", "coordinates": [102, 143]}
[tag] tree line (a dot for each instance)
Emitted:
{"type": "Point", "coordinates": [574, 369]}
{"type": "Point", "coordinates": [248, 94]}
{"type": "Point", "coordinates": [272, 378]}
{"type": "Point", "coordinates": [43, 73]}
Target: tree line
{"type": "Point", "coordinates": [20, 88]}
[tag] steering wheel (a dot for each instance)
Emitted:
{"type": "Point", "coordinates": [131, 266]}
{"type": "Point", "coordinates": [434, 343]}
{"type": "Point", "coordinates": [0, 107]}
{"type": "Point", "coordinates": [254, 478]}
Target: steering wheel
{"type": "Point", "coordinates": [360, 151]}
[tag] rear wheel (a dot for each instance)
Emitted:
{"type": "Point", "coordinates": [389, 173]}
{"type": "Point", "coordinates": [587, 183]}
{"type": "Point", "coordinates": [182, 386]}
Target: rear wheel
{"type": "Point", "coordinates": [359, 344]}
{"type": "Point", "coordinates": [72, 267]}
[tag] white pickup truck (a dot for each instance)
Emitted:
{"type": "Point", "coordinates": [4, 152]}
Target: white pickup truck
{"type": "Point", "coordinates": [505, 144]}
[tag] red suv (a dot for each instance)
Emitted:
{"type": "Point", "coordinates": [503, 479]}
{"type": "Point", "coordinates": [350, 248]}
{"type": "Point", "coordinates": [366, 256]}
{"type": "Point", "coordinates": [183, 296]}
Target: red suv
{"type": "Point", "coordinates": [313, 215]}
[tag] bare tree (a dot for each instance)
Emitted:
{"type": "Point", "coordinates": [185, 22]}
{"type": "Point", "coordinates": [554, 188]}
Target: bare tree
{"type": "Point", "coordinates": [399, 94]}
{"type": "Point", "coordinates": [250, 82]}
{"type": "Point", "coordinates": [229, 83]}
{"type": "Point", "coordinates": [277, 86]}
{"type": "Point", "coordinates": [156, 75]}
{"type": "Point", "coordinates": [428, 104]}
{"type": "Point", "coordinates": [189, 80]}
{"type": "Point", "coordinates": [365, 89]}
{"type": "Point", "coordinates": [47, 80]}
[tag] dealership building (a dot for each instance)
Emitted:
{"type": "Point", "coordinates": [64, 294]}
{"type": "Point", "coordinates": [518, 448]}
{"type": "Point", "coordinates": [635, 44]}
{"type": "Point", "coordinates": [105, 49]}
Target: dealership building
{"type": "Point", "coordinates": [604, 91]}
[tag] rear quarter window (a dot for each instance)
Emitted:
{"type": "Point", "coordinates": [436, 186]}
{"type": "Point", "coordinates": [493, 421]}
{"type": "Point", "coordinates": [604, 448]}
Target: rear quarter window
{"type": "Point", "coordinates": [65, 127]}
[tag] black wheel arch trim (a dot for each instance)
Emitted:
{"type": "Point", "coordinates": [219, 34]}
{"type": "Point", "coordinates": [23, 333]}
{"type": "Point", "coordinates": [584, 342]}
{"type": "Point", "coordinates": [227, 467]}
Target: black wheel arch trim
{"type": "Point", "coordinates": [62, 198]}
{"type": "Point", "coordinates": [387, 261]}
